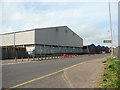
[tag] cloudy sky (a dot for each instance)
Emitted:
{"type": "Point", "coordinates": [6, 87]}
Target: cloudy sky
{"type": "Point", "coordinates": [90, 20]}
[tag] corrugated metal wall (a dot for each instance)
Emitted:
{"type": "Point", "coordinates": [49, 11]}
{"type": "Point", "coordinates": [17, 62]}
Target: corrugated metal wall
{"type": "Point", "coordinates": [8, 39]}
{"type": "Point", "coordinates": [61, 36]}
{"type": "Point", "coordinates": [0, 53]}
{"type": "Point", "coordinates": [11, 52]}
{"type": "Point", "coordinates": [42, 41]}
{"type": "Point", "coordinates": [0, 48]}
{"type": "Point", "coordinates": [0, 40]}
{"type": "Point", "coordinates": [56, 49]}
{"type": "Point", "coordinates": [18, 38]}
{"type": "Point", "coordinates": [24, 38]}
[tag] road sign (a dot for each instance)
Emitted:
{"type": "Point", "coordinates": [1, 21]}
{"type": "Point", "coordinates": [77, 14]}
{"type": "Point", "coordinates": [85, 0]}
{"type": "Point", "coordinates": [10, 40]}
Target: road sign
{"type": "Point", "coordinates": [107, 41]}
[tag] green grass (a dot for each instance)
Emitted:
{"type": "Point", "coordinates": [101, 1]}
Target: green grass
{"type": "Point", "coordinates": [111, 76]}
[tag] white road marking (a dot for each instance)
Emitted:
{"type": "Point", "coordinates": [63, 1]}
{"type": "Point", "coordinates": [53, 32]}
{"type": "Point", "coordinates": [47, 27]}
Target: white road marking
{"type": "Point", "coordinates": [18, 63]}
{"type": "Point", "coordinates": [25, 62]}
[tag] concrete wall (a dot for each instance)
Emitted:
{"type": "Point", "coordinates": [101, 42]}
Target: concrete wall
{"type": "Point", "coordinates": [61, 36]}
{"type": "Point", "coordinates": [116, 52]}
{"type": "Point", "coordinates": [21, 38]}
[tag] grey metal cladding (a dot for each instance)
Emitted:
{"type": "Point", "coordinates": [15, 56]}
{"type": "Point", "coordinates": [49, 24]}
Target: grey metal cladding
{"type": "Point", "coordinates": [25, 38]}
{"type": "Point", "coordinates": [58, 36]}
{"type": "Point", "coordinates": [0, 40]}
{"type": "Point", "coordinates": [19, 38]}
{"type": "Point", "coordinates": [8, 39]}
{"type": "Point", "coordinates": [62, 36]}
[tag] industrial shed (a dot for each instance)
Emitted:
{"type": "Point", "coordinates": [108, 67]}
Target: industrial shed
{"type": "Point", "coordinates": [52, 40]}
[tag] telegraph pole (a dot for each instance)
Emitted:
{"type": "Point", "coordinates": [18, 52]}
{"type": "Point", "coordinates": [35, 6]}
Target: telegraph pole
{"type": "Point", "coordinates": [118, 54]}
{"type": "Point", "coordinates": [111, 30]}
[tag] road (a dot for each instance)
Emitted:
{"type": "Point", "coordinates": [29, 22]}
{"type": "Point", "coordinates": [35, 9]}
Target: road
{"type": "Point", "coordinates": [13, 74]}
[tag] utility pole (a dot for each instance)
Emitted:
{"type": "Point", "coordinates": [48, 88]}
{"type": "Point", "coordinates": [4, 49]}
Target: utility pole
{"type": "Point", "coordinates": [111, 30]}
{"type": "Point", "coordinates": [118, 54]}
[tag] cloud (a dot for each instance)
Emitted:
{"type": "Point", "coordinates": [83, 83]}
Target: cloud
{"type": "Point", "coordinates": [59, 0]}
{"type": "Point", "coordinates": [0, 16]}
{"type": "Point", "coordinates": [17, 16]}
{"type": "Point", "coordinates": [93, 35]}
{"type": "Point", "coordinates": [89, 20]}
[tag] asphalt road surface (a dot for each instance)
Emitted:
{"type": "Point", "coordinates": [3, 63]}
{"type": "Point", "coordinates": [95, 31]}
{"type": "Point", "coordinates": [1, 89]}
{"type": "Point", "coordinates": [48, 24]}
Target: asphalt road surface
{"type": "Point", "coordinates": [13, 74]}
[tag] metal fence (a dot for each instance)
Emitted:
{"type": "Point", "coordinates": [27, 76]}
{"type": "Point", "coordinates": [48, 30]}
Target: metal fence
{"type": "Point", "coordinates": [9, 52]}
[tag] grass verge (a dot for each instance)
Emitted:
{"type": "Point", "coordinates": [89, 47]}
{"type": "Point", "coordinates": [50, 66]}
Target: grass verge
{"type": "Point", "coordinates": [111, 76]}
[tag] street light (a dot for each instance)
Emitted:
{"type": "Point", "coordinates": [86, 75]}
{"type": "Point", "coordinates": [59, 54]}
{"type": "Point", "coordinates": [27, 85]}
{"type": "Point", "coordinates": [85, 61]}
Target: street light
{"type": "Point", "coordinates": [111, 30]}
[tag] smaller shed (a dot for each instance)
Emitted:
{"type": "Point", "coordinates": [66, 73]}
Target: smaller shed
{"type": "Point", "coordinates": [92, 49]}
{"type": "Point", "coordinates": [98, 49]}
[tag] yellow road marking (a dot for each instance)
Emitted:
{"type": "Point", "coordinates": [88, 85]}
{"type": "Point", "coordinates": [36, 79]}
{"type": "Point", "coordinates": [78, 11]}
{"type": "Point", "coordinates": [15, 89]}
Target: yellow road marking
{"type": "Point", "coordinates": [43, 76]}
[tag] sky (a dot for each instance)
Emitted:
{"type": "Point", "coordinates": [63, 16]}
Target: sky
{"type": "Point", "coordinates": [90, 20]}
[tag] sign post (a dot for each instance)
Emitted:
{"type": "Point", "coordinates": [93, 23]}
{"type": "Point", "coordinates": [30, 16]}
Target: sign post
{"type": "Point", "coordinates": [108, 41]}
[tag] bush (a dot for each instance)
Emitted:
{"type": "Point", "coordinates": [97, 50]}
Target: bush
{"type": "Point", "coordinates": [103, 61]}
{"type": "Point", "coordinates": [111, 76]}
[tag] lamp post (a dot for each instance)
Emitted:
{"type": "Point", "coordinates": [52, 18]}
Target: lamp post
{"type": "Point", "coordinates": [111, 30]}
{"type": "Point", "coordinates": [118, 53]}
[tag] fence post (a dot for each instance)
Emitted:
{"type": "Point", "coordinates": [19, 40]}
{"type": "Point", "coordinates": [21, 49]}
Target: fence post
{"type": "Point", "coordinates": [28, 58]}
{"type": "Point", "coordinates": [38, 57]}
{"type": "Point", "coordinates": [15, 59]}
{"type": "Point", "coordinates": [33, 58]}
{"type": "Point", "coordinates": [22, 58]}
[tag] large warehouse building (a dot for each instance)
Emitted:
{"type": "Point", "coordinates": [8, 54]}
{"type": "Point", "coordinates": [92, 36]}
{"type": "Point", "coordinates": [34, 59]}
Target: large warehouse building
{"type": "Point", "coordinates": [52, 40]}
